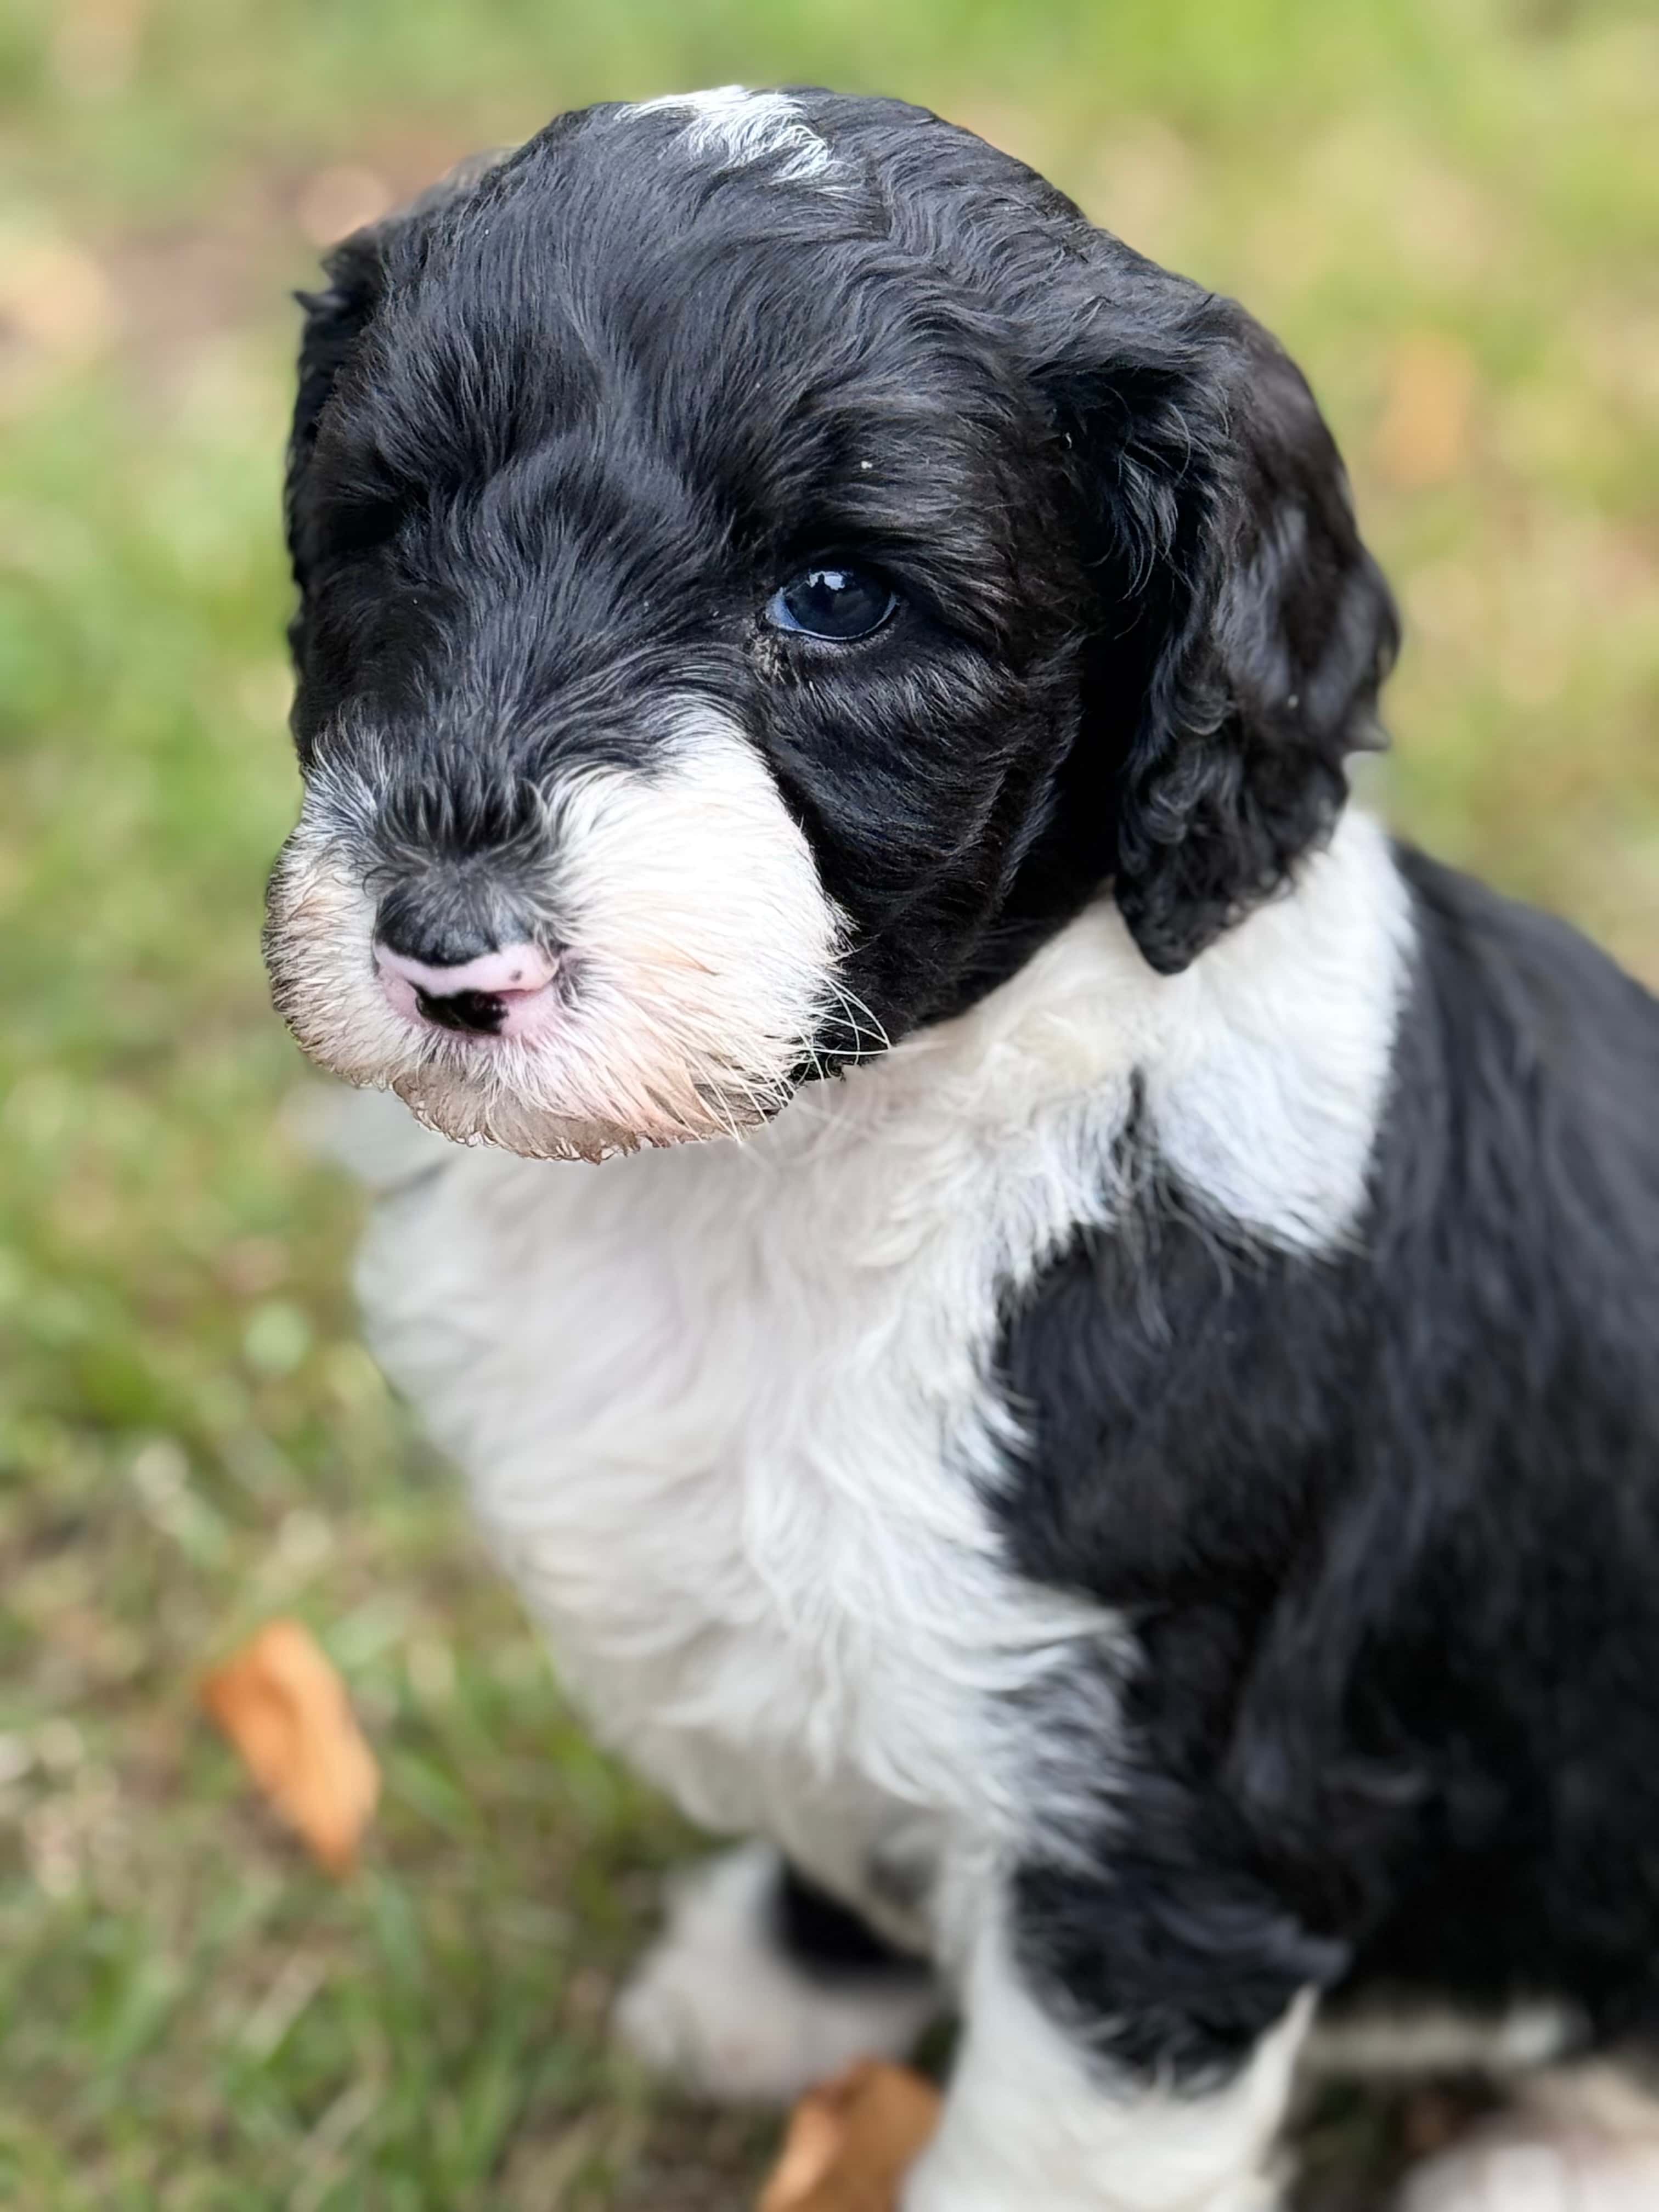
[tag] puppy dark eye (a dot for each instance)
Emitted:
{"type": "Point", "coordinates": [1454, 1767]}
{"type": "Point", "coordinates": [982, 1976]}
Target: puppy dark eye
{"type": "Point", "coordinates": [841, 603]}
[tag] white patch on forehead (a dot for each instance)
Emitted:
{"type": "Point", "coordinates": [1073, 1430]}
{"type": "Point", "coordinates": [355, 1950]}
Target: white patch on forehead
{"type": "Point", "coordinates": [728, 124]}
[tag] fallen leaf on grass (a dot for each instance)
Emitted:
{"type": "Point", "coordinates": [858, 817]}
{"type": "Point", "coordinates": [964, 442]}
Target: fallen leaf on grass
{"type": "Point", "coordinates": [851, 2142]}
{"type": "Point", "coordinates": [282, 1704]}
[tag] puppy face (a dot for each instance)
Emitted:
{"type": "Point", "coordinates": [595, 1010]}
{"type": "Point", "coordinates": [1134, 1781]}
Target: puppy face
{"type": "Point", "coordinates": [764, 563]}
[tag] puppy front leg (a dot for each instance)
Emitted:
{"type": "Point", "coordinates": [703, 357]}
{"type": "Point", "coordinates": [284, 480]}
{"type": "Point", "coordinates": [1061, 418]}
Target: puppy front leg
{"type": "Point", "coordinates": [1037, 2121]}
{"type": "Point", "coordinates": [760, 1984]}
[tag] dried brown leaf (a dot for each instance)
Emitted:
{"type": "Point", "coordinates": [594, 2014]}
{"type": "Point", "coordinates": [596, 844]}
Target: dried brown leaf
{"type": "Point", "coordinates": [851, 2142]}
{"type": "Point", "coordinates": [282, 1704]}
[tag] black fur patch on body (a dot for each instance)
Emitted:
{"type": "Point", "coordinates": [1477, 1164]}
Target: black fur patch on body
{"type": "Point", "coordinates": [1387, 1525]}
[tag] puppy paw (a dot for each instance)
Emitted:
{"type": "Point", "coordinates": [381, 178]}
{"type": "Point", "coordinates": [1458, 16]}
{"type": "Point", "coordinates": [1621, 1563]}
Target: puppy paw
{"type": "Point", "coordinates": [719, 2007]}
{"type": "Point", "coordinates": [1577, 2142]}
{"type": "Point", "coordinates": [1525, 2177]}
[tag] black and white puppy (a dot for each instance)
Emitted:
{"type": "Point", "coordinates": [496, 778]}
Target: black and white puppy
{"type": "Point", "coordinates": [1139, 1473]}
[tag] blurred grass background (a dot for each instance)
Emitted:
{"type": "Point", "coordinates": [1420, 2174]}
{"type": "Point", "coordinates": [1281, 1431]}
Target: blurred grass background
{"type": "Point", "coordinates": [1449, 208]}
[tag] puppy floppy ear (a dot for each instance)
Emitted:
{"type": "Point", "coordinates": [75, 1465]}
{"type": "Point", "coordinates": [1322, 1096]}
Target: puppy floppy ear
{"type": "Point", "coordinates": [335, 320]}
{"type": "Point", "coordinates": [1239, 631]}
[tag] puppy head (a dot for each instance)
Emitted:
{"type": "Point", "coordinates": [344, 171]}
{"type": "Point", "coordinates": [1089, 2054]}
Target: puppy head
{"type": "Point", "coordinates": [764, 563]}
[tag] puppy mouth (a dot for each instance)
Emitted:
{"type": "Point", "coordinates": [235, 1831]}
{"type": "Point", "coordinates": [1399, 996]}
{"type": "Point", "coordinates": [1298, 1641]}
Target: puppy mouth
{"type": "Point", "coordinates": [472, 1014]}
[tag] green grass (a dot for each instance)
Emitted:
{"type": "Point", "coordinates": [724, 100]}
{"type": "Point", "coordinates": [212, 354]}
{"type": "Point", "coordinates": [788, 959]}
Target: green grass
{"type": "Point", "coordinates": [1451, 210]}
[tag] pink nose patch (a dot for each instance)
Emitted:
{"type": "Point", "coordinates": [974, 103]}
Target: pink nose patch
{"type": "Point", "coordinates": [515, 968]}
{"type": "Point", "coordinates": [517, 977]}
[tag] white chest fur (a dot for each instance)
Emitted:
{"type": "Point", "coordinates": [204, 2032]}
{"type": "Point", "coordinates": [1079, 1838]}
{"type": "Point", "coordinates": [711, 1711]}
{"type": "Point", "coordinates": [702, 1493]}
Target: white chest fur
{"type": "Point", "coordinates": [726, 1409]}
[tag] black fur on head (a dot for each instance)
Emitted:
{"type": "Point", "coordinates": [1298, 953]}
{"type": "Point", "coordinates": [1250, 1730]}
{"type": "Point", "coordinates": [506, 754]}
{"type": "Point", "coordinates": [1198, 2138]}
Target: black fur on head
{"type": "Point", "coordinates": [563, 430]}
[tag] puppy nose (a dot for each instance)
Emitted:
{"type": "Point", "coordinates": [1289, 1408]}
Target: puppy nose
{"type": "Point", "coordinates": [435, 922]}
{"type": "Point", "coordinates": [486, 995]}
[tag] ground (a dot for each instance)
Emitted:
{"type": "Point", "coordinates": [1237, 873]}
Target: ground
{"type": "Point", "coordinates": [1448, 208]}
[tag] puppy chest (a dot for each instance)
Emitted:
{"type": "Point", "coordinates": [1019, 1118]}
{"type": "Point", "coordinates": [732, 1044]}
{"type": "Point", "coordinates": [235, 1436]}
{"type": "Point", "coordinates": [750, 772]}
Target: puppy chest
{"type": "Point", "coordinates": [729, 1427]}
